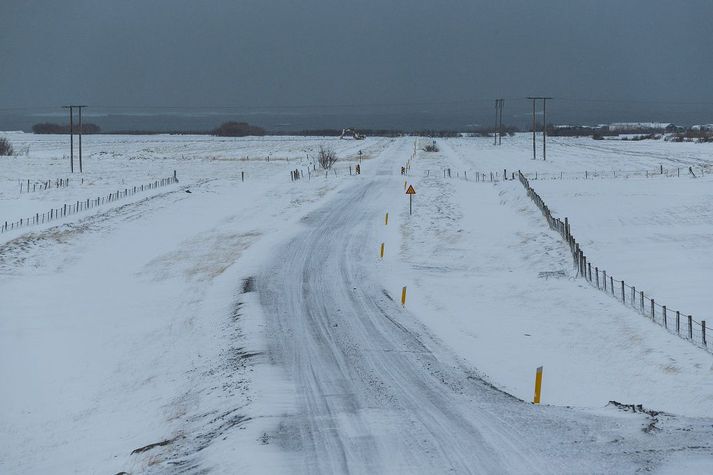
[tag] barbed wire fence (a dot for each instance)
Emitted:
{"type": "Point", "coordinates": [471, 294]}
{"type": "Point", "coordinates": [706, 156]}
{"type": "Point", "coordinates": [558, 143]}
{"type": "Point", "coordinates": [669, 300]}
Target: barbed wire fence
{"type": "Point", "coordinates": [479, 176]}
{"type": "Point", "coordinates": [43, 185]}
{"type": "Point", "coordinates": [78, 206]}
{"type": "Point", "coordinates": [674, 321]}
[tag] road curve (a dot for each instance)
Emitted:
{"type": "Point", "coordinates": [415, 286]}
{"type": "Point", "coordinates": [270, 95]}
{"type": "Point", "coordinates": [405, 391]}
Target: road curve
{"type": "Point", "coordinates": [377, 394]}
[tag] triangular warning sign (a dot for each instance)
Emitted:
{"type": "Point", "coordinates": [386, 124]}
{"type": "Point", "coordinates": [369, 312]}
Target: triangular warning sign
{"type": "Point", "coordinates": [410, 190]}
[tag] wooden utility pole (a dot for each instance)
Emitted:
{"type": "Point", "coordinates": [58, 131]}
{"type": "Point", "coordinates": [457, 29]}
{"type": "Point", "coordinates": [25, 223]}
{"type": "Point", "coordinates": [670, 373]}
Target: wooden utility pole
{"type": "Point", "coordinates": [500, 124]}
{"type": "Point", "coordinates": [80, 137]}
{"type": "Point", "coordinates": [71, 136]}
{"type": "Point", "coordinates": [534, 150]}
{"type": "Point", "coordinates": [498, 139]}
{"type": "Point", "coordinates": [497, 115]}
{"type": "Point", "coordinates": [544, 126]}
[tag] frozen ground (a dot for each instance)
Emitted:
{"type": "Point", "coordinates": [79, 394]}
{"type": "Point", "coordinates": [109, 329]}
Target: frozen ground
{"type": "Point", "coordinates": [656, 235]}
{"type": "Point", "coordinates": [251, 327]}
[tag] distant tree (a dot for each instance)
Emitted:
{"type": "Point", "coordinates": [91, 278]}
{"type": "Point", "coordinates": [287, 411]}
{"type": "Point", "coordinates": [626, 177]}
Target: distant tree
{"type": "Point", "coordinates": [6, 147]}
{"type": "Point", "coordinates": [326, 157]}
{"type": "Point", "coordinates": [49, 128]}
{"type": "Point", "coordinates": [237, 129]}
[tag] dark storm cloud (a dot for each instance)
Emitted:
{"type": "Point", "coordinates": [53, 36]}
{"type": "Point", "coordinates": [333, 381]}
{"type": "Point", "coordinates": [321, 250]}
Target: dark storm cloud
{"type": "Point", "coordinates": [279, 52]}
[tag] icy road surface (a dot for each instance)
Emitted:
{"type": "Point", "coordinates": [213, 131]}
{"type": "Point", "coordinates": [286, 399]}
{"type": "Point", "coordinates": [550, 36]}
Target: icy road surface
{"type": "Point", "coordinates": [377, 394]}
{"type": "Point", "coordinates": [249, 326]}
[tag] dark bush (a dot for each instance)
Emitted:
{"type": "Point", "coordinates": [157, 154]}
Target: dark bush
{"type": "Point", "coordinates": [49, 128]}
{"type": "Point", "coordinates": [237, 129]}
{"type": "Point", "coordinates": [6, 147]}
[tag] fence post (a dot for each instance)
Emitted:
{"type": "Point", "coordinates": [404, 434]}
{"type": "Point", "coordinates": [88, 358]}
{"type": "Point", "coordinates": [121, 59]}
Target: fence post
{"type": "Point", "coordinates": [575, 253]}
{"type": "Point", "coordinates": [604, 273]}
{"type": "Point", "coordinates": [703, 332]}
{"type": "Point", "coordinates": [678, 322]}
{"type": "Point", "coordinates": [589, 266]}
{"type": "Point", "coordinates": [653, 315]}
{"type": "Point", "coordinates": [623, 299]}
{"type": "Point", "coordinates": [642, 301]}
{"type": "Point", "coordinates": [665, 324]}
{"type": "Point", "coordinates": [611, 282]}
{"type": "Point", "coordinates": [690, 327]}
{"type": "Point", "coordinates": [566, 228]}
{"type": "Point", "coordinates": [596, 271]}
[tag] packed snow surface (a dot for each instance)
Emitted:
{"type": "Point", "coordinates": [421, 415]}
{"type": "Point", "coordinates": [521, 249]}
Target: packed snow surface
{"type": "Point", "coordinates": [241, 321]}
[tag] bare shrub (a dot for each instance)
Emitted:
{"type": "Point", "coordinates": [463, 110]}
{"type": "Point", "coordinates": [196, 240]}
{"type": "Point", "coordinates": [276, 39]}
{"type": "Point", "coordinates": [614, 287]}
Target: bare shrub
{"type": "Point", "coordinates": [431, 148]}
{"type": "Point", "coordinates": [6, 147]}
{"type": "Point", "coordinates": [326, 157]}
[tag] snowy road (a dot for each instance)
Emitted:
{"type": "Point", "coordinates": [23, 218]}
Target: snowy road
{"type": "Point", "coordinates": [376, 392]}
{"type": "Point", "coordinates": [313, 366]}
{"type": "Point", "coordinates": [374, 395]}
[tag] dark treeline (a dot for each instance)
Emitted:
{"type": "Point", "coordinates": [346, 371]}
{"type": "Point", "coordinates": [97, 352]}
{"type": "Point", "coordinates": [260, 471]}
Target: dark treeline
{"type": "Point", "coordinates": [237, 129]}
{"type": "Point", "coordinates": [50, 128]}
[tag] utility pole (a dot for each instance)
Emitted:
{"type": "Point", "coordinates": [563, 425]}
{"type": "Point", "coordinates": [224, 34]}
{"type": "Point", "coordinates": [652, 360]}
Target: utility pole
{"type": "Point", "coordinates": [497, 115]}
{"type": "Point", "coordinates": [544, 131]}
{"type": "Point", "coordinates": [498, 139]}
{"type": "Point", "coordinates": [544, 126]}
{"type": "Point", "coordinates": [71, 136]}
{"type": "Point", "coordinates": [80, 137]}
{"type": "Point", "coordinates": [534, 150]}
{"type": "Point", "coordinates": [500, 127]}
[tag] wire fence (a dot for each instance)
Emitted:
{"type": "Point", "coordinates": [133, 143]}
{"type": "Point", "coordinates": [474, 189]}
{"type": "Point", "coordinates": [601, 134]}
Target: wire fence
{"type": "Point", "coordinates": [496, 176]}
{"type": "Point", "coordinates": [43, 185]}
{"type": "Point", "coordinates": [78, 206]}
{"type": "Point", "coordinates": [674, 321]}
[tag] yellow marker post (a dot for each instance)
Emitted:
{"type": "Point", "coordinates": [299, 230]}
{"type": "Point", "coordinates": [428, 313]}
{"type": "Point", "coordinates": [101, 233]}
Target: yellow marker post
{"type": "Point", "coordinates": [382, 250]}
{"type": "Point", "coordinates": [403, 296]}
{"type": "Point", "coordinates": [386, 219]}
{"type": "Point", "coordinates": [538, 385]}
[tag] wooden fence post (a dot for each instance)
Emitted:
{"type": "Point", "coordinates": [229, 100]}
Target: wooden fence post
{"type": "Point", "coordinates": [642, 301]}
{"type": "Point", "coordinates": [653, 315]}
{"type": "Point", "coordinates": [623, 299]}
{"type": "Point", "coordinates": [678, 322]}
{"type": "Point", "coordinates": [690, 327]}
{"type": "Point", "coordinates": [665, 324]}
{"type": "Point", "coordinates": [589, 266]}
{"type": "Point", "coordinates": [604, 273]}
{"type": "Point", "coordinates": [596, 272]}
{"type": "Point", "coordinates": [703, 332]}
{"type": "Point", "coordinates": [611, 282]}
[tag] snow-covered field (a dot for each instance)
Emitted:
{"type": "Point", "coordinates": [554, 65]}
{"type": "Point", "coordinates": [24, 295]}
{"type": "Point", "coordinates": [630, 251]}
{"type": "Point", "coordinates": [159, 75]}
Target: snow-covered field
{"type": "Point", "coordinates": [250, 326]}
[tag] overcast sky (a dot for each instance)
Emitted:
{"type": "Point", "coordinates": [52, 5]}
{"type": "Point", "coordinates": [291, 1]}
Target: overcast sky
{"type": "Point", "coordinates": [322, 52]}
